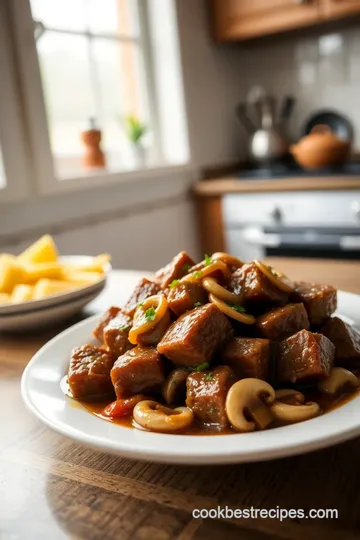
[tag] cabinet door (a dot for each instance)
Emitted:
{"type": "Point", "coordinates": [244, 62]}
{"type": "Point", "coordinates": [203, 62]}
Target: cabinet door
{"type": "Point", "coordinates": [340, 8]}
{"type": "Point", "coordinates": [243, 19]}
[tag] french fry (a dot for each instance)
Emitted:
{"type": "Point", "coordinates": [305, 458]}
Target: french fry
{"type": "Point", "coordinates": [4, 298]}
{"type": "Point", "coordinates": [34, 272]}
{"type": "Point", "coordinates": [11, 273]}
{"type": "Point", "coordinates": [21, 293]}
{"type": "Point", "coordinates": [81, 278]}
{"type": "Point", "coordinates": [42, 251]}
{"type": "Point", "coordinates": [51, 287]}
{"type": "Point", "coordinates": [96, 265]}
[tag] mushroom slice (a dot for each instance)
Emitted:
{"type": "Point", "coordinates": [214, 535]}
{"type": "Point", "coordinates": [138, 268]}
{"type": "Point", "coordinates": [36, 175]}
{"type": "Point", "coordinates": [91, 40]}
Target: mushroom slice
{"type": "Point", "coordinates": [247, 404]}
{"type": "Point", "coordinates": [290, 396]}
{"type": "Point", "coordinates": [174, 384]}
{"type": "Point", "coordinates": [155, 417]}
{"type": "Point", "coordinates": [279, 279]}
{"type": "Point", "coordinates": [294, 413]}
{"type": "Point", "coordinates": [339, 379]}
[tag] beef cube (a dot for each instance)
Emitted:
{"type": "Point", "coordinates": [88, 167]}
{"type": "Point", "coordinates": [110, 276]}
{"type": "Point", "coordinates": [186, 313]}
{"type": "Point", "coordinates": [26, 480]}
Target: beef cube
{"type": "Point", "coordinates": [206, 393]}
{"type": "Point", "coordinates": [89, 373]}
{"type": "Point", "coordinates": [176, 269]}
{"type": "Point", "coordinates": [142, 291]}
{"type": "Point", "coordinates": [248, 357]}
{"type": "Point", "coordinates": [104, 321]}
{"type": "Point", "coordinates": [153, 336]}
{"type": "Point", "coordinates": [185, 296]}
{"type": "Point", "coordinates": [139, 370]}
{"type": "Point", "coordinates": [304, 357]}
{"type": "Point", "coordinates": [116, 334]}
{"type": "Point", "coordinates": [258, 291]}
{"type": "Point", "coordinates": [281, 322]}
{"type": "Point", "coordinates": [320, 301]}
{"type": "Point", "coordinates": [195, 336]}
{"type": "Point", "coordinates": [346, 340]}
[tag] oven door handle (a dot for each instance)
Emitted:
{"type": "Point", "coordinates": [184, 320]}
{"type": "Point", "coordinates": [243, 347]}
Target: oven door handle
{"type": "Point", "coordinates": [257, 237]}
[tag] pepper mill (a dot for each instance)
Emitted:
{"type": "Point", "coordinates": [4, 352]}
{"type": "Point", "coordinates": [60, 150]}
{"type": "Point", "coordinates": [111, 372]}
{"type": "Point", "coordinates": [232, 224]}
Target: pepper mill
{"type": "Point", "coordinates": [93, 156]}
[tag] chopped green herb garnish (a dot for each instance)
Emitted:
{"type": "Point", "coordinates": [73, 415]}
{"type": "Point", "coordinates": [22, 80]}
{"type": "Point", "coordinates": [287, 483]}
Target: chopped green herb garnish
{"type": "Point", "coordinates": [202, 366]}
{"type": "Point", "coordinates": [173, 283]}
{"type": "Point", "coordinates": [239, 308]}
{"type": "Point", "coordinates": [209, 376]}
{"type": "Point", "coordinates": [125, 327]}
{"type": "Point", "coordinates": [207, 259]}
{"type": "Point", "coordinates": [140, 304]}
{"type": "Point", "coordinates": [197, 274]}
{"type": "Point", "coordinates": [150, 314]}
{"type": "Point", "coordinates": [211, 410]}
{"type": "Point", "coordinates": [186, 268]}
{"type": "Point", "coordinates": [197, 304]}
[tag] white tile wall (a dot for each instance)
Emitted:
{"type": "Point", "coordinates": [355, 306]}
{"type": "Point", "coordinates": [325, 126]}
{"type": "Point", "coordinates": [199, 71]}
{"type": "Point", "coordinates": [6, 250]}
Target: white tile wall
{"type": "Point", "coordinates": [322, 71]}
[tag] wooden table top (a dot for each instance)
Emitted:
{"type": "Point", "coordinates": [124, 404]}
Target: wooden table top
{"type": "Point", "coordinates": [54, 489]}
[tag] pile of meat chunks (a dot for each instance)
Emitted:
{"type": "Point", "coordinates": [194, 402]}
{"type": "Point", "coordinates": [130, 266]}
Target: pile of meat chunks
{"type": "Point", "coordinates": [293, 341]}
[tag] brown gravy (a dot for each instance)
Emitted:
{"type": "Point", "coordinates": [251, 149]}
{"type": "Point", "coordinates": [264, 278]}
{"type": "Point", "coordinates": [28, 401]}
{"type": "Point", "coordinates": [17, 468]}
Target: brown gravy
{"type": "Point", "coordinates": [327, 404]}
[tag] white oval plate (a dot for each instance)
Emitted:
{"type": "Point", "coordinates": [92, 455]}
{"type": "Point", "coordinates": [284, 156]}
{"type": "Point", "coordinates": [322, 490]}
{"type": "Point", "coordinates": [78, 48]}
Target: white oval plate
{"type": "Point", "coordinates": [53, 309]}
{"type": "Point", "coordinates": [40, 387]}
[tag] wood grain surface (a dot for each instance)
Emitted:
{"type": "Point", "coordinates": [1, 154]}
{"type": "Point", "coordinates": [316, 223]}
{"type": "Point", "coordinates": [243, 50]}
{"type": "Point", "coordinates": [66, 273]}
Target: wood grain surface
{"type": "Point", "coordinates": [231, 184]}
{"type": "Point", "coordinates": [52, 488]}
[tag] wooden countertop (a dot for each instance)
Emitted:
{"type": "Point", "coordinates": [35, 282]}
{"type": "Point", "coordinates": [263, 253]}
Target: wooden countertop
{"type": "Point", "coordinates": [230, 184]}
{"type": "Point", "coordinates": [52, 488]}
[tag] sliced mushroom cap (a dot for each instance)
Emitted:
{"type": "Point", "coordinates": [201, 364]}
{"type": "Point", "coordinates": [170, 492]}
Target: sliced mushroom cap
{"type": "Point", "coordinates": [290, 396]}
{"type": "Point", "coordinates": [247, 404]}
{"type": "Point", "coordinates": [174, 385]}
{"type": "Point", "coordinates": [294, 413]}
{"type": "Point", "coordinates": [155, 417]}
{"type": "Point", "coordinates": [339, 379]}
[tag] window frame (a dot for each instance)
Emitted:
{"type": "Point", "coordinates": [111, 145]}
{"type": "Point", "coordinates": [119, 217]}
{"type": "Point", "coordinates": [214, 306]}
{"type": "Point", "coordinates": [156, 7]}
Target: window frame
{"type": "Point", "coordinates": [47, 182]}
{"type": "Point", "coordinates": [13, 139]}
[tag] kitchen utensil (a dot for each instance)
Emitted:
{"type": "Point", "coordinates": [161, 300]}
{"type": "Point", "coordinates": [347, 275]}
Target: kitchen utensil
{"type": "Point", "coordinates": [258, 115]}
{"type": "Point", "coordinates": [321, 148]}
{"type": "Point", "coordinates": [338, 124]}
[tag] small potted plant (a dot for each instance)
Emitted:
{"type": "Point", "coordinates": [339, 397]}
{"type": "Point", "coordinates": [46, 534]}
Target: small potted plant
{"type": "Point", "coordinates": [135, 131]}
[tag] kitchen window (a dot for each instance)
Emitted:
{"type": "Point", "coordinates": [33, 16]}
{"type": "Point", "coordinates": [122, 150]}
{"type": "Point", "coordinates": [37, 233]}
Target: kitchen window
{"type": "Point", "coordinates": [90, 66]}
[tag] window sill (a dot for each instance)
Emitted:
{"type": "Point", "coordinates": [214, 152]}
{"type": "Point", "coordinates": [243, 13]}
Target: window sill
{"type": "Point", "coordinates": [92, 201]}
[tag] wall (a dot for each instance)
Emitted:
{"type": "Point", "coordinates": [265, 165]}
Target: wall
{"type": "Point", "coordinates": [143, 240]}
{"type": "Point", "coordinates": [322, 71]}
{"type": "Point", "coordinates": [214, 84]}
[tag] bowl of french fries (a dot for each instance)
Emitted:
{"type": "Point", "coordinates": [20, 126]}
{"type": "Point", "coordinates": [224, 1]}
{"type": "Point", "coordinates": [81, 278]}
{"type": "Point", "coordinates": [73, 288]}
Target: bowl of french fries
{"type": "Point", "coordinates": [40, 286]}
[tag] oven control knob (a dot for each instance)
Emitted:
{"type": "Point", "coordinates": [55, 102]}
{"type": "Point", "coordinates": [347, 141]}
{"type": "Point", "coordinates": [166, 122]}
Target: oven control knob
{"type": "Point", "coordinates": [275, 213]}
{"type": "Point", "coordinates": [355, 207]}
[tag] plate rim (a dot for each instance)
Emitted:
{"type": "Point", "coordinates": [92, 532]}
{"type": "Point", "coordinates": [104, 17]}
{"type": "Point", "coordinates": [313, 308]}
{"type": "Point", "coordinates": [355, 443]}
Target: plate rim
{"type": "Point", "coordinates": [163, 453]}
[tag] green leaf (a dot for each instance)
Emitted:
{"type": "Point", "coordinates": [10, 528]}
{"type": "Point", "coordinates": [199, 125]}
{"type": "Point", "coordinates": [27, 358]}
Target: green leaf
{"type": "Point", "coordinates": [134, 128]}
{"type": "Point", "coordinates": [140, 304]}
{"type": "Point", "coordinates": [125, 327]}
{"type": "Point", "coordinates": [202, 366]}
{"type": "Point", "coordinates": [150, 314]}
{"type": "Point", "coordinates": [209, 376]}
{"type": "Point", "coordinates": [207, 259]}
{"type": "Point", "coordinates": [173, 283]}
{"type": "Point", "coordinates": [238, 308]}
{"type": "Point", "coordinates": [197, 304]}
{"type": "Point", "coordinates": [197, 274]}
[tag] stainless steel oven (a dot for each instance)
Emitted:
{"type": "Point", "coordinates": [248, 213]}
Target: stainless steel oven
{"type": "Point", "coordinates": [317, 224]}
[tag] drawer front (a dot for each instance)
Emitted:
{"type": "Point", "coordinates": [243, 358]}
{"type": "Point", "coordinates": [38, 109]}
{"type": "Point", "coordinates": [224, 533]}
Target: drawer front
{"type": "Point", "coordinates": [293, 208]}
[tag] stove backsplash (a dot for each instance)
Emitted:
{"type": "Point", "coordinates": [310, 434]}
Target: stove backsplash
{"type": "Point", "coordinates": [322, 71]}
